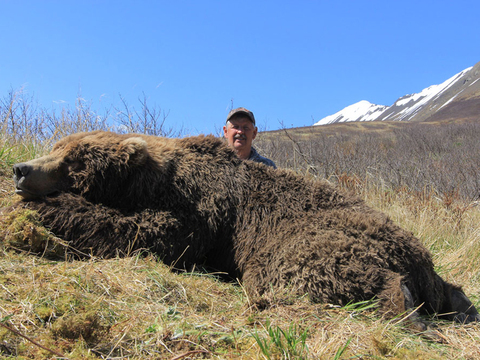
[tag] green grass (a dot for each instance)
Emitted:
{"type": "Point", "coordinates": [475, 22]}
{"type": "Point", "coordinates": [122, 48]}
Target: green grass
{"type": "Point", "coordinates": [289, 343]}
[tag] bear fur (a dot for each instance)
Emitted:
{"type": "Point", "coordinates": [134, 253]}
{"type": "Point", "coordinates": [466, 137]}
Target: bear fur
{"type": "Point", "coordinates": [192, 201]}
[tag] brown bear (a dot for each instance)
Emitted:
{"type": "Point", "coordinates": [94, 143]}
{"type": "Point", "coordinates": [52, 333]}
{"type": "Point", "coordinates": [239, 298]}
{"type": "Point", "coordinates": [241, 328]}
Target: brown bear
{"type": "Point", "coordinates": [192, 201]}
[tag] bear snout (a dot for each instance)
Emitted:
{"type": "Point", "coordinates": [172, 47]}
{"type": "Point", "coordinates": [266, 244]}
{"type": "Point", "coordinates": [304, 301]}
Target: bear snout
{"type": "Point", "coordinates": [20, 170]}
{"type": "Point", "coordinates": [36, 178]}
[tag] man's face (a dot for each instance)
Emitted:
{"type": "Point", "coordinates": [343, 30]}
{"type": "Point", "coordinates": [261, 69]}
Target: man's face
{"type": "Point", "coordinates": [240, 133]}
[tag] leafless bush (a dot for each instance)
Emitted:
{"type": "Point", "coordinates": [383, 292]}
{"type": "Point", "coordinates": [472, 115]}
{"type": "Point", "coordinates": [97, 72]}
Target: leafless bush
{"type": "Point", "coordinates": [442, 159]}
{"type": "Point", "coordinates": [18, 116]}
{"type": "Point", "coordinates": [147, 120]}
{"type": "Point", "coordinates": [22, 120]}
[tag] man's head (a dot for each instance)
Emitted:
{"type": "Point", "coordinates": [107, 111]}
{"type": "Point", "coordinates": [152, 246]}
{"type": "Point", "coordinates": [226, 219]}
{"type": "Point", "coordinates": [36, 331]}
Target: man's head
{"type": "Point", "coordinates": [240, 130]}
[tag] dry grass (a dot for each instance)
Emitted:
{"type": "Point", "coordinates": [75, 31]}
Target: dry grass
{"type": "Point", "coordinates": [137, 308]}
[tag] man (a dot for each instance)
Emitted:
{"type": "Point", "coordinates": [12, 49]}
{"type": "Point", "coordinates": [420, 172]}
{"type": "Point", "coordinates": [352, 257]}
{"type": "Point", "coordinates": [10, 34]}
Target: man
{"type": "Point", "coordinates": [240, 130]}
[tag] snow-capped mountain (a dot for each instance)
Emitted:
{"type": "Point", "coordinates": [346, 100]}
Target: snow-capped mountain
{"type": "Point", "coordinates": [360, 111]}
{"type": "Point", "coordinates": [457, 97]}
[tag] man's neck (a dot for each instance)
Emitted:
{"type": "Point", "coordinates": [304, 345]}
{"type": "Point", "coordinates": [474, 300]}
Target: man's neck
{"type": "Point", "coordinates": [245, 154]}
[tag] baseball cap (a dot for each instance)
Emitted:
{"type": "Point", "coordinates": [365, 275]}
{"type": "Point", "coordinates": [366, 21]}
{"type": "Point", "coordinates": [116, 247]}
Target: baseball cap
{"type": "Point", "coordinates": [242, 111]}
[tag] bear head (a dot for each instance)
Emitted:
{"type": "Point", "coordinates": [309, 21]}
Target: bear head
{"type": "Point", "coordinates": [94, 165]}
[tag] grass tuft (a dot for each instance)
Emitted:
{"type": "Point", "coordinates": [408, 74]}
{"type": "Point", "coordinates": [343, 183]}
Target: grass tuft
{"type": "Point", "coordinates": [22, 230]}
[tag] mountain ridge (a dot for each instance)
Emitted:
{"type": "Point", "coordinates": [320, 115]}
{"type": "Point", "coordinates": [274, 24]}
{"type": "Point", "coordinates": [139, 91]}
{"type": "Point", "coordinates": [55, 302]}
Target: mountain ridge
{"type": "Point", "coordinates": [456, 97]}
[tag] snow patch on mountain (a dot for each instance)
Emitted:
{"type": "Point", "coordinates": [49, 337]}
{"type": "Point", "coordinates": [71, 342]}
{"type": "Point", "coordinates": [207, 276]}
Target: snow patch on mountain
{"type": "Point", "coordinates": [416, 101]}
{"type": "Point", "coordinates": [360, 111]}
{"type": "Point", "coordinates": [405, 108]}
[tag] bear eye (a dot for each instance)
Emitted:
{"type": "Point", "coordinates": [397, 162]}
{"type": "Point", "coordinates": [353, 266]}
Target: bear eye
{"type": "Point", "coordinates": [72, 164]}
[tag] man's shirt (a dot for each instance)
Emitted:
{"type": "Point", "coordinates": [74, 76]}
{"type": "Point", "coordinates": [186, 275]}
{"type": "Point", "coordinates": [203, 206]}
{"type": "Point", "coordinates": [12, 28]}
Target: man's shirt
{"type": "Point", "coordinates": [255, 156]}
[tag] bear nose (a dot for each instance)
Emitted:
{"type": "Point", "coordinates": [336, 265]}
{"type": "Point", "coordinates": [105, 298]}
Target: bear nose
{"type": "Point", "coordinates": [20, 170]}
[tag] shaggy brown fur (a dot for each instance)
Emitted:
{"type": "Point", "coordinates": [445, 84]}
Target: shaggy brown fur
{"type": "Point", "coordinates": [193, 201]}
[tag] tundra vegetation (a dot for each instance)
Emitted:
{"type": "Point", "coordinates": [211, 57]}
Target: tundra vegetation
{"type": "Point", "coordinates": [424, 176]}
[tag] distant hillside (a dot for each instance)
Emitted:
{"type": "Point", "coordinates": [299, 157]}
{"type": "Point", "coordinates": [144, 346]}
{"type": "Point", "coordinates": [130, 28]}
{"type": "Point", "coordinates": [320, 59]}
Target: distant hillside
{"type": "Point", "coordinates": [457, 98]}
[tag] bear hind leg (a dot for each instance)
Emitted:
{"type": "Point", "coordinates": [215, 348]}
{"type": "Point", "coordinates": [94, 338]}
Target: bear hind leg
{"type": "Point", "coordinates": [463, 310]}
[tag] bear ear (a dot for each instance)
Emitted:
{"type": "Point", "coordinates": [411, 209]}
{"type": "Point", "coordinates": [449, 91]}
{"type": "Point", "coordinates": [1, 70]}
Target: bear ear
{"type": "Point", "coordinates": [133, 151]}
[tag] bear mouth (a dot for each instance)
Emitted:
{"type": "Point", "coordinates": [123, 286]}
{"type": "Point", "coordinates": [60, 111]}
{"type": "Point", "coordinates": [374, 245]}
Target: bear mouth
{"type": "Point", "coordinates": [28, 195]}
{"type": "Point", "coordinates": [25, 194]}
{"type": "Point", "coordinates": [20, 188]}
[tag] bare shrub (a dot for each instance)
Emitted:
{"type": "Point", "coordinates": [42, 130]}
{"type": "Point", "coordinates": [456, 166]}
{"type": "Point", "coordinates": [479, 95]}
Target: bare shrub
{"type": "Point", "coordinates": [441, 158]}
{"type": "Point", "coordinates": [148, 120]}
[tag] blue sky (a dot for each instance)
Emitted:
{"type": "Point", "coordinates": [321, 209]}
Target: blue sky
{"type": "Point", "coordinates": [290, 62]}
